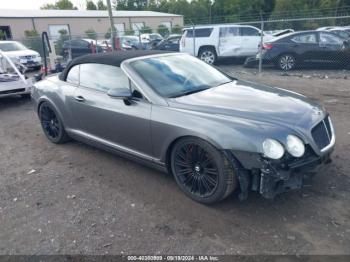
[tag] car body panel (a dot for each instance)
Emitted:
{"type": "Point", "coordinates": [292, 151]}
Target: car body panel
{"type": "Point", "coordinates": [329, 53]}
{"type": "Point", "coordinates": [235, 118]}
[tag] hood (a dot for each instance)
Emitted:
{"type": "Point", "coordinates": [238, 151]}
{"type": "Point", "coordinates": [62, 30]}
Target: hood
{"type": "Point", "coordinates": [252, 101]}
{"type": "Point", "coordinates": [13, 54]}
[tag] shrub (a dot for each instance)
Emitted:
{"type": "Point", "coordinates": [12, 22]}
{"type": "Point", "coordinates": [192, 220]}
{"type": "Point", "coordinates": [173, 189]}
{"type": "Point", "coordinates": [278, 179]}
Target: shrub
{"type": "Point", "coordinates": [163, 30]}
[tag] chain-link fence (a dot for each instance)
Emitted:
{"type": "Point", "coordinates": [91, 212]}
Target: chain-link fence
{"type": "Point", "coordinates": [285, 44]}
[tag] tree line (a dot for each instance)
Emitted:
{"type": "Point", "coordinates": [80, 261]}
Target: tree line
{"type": "Point", "coordinates": [217, 11]}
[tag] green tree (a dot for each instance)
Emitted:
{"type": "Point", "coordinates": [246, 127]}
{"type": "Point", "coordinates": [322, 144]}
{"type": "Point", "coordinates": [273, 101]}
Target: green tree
{"type": "Point", "coordinates": [146, 30]}
{"type": "Point", "coordinates": [61, 39]}
{"type": "Point", "coordinates": [176, 29]}
{"type": "Point", "coordinates": [91, 33]}
{"type": "Point", "coordinates": [90, 5]}
{"type": "Point", "coordinates": [163, 30]}
{"type": "Point", "coordinates": [129, 32]}
{"type": "Point", "coordinates": [60, 5]}
{"type": "Point", "coordinates": [101, 5]}
{"type": "Point", "coordinates": [2, 35]}
{"type": "Point", "coordinates": [33, 41]}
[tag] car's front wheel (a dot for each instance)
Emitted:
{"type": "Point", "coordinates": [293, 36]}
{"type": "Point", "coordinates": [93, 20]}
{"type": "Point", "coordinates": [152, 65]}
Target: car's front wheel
{"type": "Point", "coordinates": [52, 124]}
{"type": "Point", "coordinates": [208, 55]}
{"type": "Point", "coordinates": [202, 172]}
{"type": "Point", "coordinates": [286, 62]}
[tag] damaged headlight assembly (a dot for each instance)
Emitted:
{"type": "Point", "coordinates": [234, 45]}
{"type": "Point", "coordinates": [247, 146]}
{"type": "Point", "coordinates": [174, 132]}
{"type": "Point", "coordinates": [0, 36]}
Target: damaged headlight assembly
{"type": "Point", "coordinates": [275, 150]}
{"type": "Point", "coordinates": [295, 146]}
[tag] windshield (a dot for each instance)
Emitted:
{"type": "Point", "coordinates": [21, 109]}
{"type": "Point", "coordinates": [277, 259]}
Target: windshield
{"type": "Point", "coordinates": [12, 46]}
{"type": "Point", "coordinates": [154, 37]}
{"type": "Point", "coordinates": [178, 75]}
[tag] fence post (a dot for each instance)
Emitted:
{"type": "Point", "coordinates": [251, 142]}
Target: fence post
{"type": "Point", "coordinates": [194, 40]}
{"type": "Point", "coordinates": [261, 42]}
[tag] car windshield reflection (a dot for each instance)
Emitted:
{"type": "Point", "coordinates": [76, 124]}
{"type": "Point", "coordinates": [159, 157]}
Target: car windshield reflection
{"type": "Point", "coordinates": [175, 76]}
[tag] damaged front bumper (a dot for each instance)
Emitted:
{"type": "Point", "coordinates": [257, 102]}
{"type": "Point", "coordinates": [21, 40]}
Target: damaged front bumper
{"type": "Point", "coordinates": [273, 177]}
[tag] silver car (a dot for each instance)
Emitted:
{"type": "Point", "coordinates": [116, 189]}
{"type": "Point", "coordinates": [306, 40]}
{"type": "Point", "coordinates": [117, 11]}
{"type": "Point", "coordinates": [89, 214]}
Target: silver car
{"type": "Point", "coordinates": [214, 133]}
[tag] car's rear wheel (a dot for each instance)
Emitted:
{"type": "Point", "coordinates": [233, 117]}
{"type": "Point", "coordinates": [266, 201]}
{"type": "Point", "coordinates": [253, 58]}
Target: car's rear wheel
{"type": "Point", "coordinates": [202, 172]}
{"type": "Point", "coordinates": [286, 62]}
{"type": "Point", "coordinates": [51, 124]}
{"type": "Point", "coordinates": [208, 55]}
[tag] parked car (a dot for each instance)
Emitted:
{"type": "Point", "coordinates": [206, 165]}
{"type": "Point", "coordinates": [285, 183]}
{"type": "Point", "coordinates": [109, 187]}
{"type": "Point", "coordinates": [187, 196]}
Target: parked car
{"type": "Point", "coordinates": [105, 44]}
{"type": "Point", "coordinates": [130, 43]}
{"type": "Point", "coordinates": [79, 47]}
{"type": "Point", "coordinates": [343, 33]}
{"type": "Point", "coordinates": [171, 43]}
{"type": "Point", "coordinates": [19, 53]}
{"type": "Point", "coordinates": [146, 38]}
{"type": "Point", "coordinates": [214, 133]}
{"type": "Point", "coordinates": [12, 82]}
{"type": "Point", "coordinates": [150, 40]}
{"type": "Point", "coordinates": [216, 41]}
{"type": "Point", "coordinates": [301, 48]}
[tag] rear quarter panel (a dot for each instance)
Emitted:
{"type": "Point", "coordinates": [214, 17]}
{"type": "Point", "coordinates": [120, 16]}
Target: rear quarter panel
{"type": "Point", "coordinates": [59, 94]}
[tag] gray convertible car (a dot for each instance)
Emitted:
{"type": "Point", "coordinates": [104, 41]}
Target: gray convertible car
{"type": "Point", "coordinates": [212, 132]}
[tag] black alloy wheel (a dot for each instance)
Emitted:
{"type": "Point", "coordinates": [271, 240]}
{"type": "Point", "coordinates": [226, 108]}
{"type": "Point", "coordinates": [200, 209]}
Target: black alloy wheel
{"type": "Point", "coordinates": [51, 124]}
{"type": "Point", "coordinates": [201, 171]}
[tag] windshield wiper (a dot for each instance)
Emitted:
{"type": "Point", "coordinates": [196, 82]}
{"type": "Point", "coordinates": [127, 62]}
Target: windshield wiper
{"type": "Point", "coordinates": [190, 92]}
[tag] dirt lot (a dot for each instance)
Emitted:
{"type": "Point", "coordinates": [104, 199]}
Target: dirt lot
{"type": "Point", "coordinates": [73, 199]}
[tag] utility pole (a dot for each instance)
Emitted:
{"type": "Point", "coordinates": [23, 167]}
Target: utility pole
{"type": "Point", "coordinates": [110, 14]}
{"type": "Point", "coordinates": [261, 42]}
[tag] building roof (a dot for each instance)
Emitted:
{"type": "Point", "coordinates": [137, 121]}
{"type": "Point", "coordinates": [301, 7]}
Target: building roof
{"type": "Point", "coordinates": [110, 58]}
{"type": "Point", "coordinates": [12, 13]}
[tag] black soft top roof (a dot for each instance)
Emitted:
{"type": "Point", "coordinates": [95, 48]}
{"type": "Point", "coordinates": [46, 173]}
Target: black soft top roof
{"type": "Point", "coordinates": [111, 58]}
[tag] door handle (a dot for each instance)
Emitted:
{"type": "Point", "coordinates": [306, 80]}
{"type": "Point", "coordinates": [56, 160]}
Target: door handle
{"type": "Point", "coordinates": [79, 98]}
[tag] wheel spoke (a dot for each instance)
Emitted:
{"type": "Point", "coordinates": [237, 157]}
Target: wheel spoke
{"type": "Point", "coordinates": [196, 169]}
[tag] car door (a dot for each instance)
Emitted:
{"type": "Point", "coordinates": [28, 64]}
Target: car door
{"type": "Point", "coordinates": [250, 40]}
{"type": "Point", "coordinates": [230, 42]}
{"type": "Point", "coordinates": [332, 47]}
{"type": "Point", "coordinates": [171, 44]}
{"type": "Point", "coordinates": [109, 120]}
{"type": "Point", "coordinates": [306, 46]}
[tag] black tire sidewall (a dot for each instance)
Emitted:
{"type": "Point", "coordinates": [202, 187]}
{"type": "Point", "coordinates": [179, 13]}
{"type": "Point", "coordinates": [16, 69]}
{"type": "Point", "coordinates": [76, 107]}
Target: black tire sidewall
{"type": "Point", "coordinates": [62, 135]}
{"type": "Point", "coordinates": [221, 188]}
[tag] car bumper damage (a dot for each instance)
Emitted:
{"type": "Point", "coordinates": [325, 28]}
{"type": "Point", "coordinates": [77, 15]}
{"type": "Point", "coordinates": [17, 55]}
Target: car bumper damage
{"type": "Point", "coordinates": [272, 177]}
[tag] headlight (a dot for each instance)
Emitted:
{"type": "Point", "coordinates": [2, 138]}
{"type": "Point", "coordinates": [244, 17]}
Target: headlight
{"type": "Point", "coordinates": [295, 146]}
{"type": "Point", "coordinates": [273, 149]}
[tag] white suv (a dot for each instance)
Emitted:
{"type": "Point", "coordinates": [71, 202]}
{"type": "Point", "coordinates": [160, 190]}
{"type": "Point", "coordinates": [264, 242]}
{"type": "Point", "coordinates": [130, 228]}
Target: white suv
{"type": "Point", "coordinates": [211, 42]}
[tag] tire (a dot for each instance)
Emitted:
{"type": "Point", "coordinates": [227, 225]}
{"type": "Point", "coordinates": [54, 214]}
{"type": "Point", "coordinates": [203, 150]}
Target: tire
{"type": "Point", "coordinates": [208, 55]}
{"type": "Point", "coordinates": [201, 171]}
{"type": "Point", "coordinates": [52, 124]}
{"type": "Point", "coordinates": [286, 62]}
{"type": "Point", "coordinates": [25, 96]}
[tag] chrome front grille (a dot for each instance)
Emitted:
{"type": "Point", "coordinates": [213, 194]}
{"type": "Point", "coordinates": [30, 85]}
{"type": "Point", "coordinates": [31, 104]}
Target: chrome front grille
{"type": "Point", "coordinates": [323, 134]}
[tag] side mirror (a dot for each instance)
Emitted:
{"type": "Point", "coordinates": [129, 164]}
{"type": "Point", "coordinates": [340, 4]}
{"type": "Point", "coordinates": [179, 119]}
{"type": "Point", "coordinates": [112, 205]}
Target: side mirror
{"type": "Point", "coordinates": [120, 93]}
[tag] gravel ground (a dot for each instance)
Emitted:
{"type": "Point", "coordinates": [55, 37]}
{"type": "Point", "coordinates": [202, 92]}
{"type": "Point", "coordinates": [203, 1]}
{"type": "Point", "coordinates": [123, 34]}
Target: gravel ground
{"type": "Point", "coordinates": [75, 199]}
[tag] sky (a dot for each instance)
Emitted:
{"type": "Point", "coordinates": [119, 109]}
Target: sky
{"type": "Point", "coordinates": [34, 4]}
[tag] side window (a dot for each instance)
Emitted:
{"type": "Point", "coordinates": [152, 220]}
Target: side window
{"type": "Point", "coordinates": [330, 39]}
{"type": "Point", "coordinates": [229, 31]}
{"type": "Point", "coordinates": [73, 75]}
{"type": "Point", "coordinates": [102, 77]}
{"type": "Point", "coordinates": [201, 32]}
{"type": "Point", "coordinates": [249, 31]}
{"type": "Point", "coordinates": [305, 39]}
{"type": "Point", "coordinates": [174, 40]}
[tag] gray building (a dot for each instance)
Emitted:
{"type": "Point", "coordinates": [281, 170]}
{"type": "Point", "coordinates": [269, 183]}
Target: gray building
{"type": "Point", "coordinates": [76, 22]}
